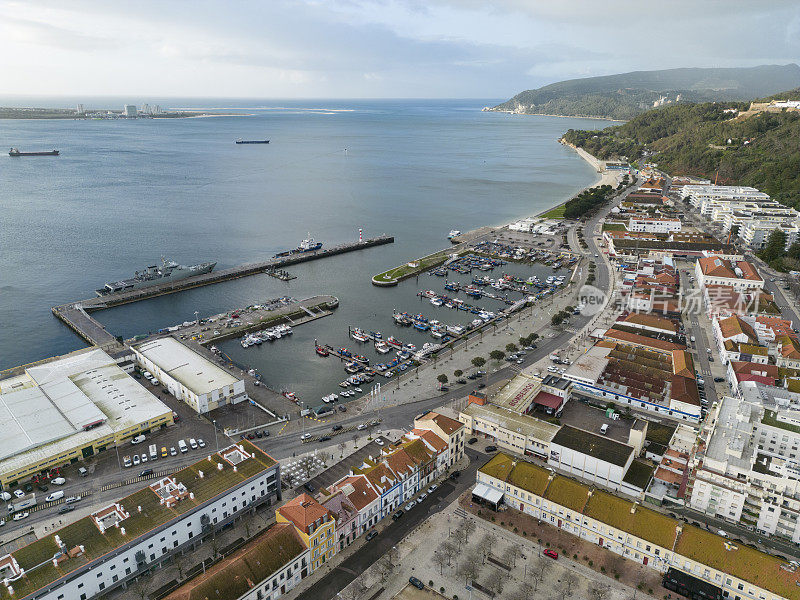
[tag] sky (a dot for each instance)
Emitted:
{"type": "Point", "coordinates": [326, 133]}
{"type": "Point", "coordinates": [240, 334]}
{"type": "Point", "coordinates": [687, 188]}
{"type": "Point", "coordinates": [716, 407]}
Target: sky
{"type": "Point", "coordinates": [372, 48]}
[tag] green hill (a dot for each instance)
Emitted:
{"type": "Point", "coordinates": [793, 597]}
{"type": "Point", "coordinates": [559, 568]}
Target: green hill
{"type": "Point", "coordinates": [704, 140]}
{"type": "Point", "coordinates": [626, 95]}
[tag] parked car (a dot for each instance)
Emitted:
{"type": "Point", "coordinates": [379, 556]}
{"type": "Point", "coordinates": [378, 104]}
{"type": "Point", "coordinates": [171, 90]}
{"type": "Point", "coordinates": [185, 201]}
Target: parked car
{"type": "Point", "coordinates": [305, 436]}
{"type": "Point", "coordinates": [136, 459]}
{"type": "Point", "coordinates": [472, 440]}
{"type": "Point", "coordinates": [164, 452]}
{"type": "Point", "coordinates": [551, 553]}
{"type": "Point", "coordinates": [28, 488]}
{"type": "Point", "coordinates": [410, 505]}
{"type": "Point", "coordinates": [455, 475]}
{"type": "Point", "coordinates": [433, 486]}
{"type": "Point", "coordinates": [379, 441]}
{"type": "Point", "coordinates": [72, 500]}
{"type": "Point", "coordinates": [397, 515]}
{"type": "Point", "coordinates": [19, 493]}
{"type": "Point", "coordinates": [172, 451]}
{"type": "Point", "coordinates": [5, 496]}
{"type": "Point", "coordinates": [421, 497]}
{"type": "Point", "coordinates": [371, 535]}
{"type": "Point", "coordinates": [138, 439]}
{"type": "Point", "coordinates": [65, 509]}
{"type": "Point", "coordinates": [336, 428]}
{"type": "Point", "coordinates": [491, 448]}
{"type": "Point", "coordinates": [325, 438]}
{"type": "Point", "coordinates": [202, 444]}
{"type": "Point", "coordinates": [58, 481]}
{"type": "Point", "coordinates": [416, 583]}
{"type": "Point", "coordinates": [20, 516]}
{"type": "Point", "coordinates": [42, 487]}
{"type": "Point", "coordinates": [193, 443]}
{"type": "Point", "coordinates": [719, 379]}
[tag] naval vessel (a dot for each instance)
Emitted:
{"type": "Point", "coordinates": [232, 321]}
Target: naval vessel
{"type": "Point", "coordinates": [153, 275]}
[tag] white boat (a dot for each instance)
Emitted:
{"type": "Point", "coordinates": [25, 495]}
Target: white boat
{"type": "Point", "coordinates": [360, 336]}
{"type": "Point", "coordinates": [358, 389]}
{"type": "Point", "coordinates": [453, 233]}
{"type": "Point", "coordinates": [436, 301]}
{"type": "Point", "coordinates": [382, 347]}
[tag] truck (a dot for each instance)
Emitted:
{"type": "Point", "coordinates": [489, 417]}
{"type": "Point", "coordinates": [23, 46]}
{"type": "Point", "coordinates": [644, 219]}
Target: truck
{"type": "Point", "coordinates": [22, 503]}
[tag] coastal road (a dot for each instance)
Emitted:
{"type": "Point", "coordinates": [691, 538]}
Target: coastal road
{"type": "Point", "coordinates": [393, 532]}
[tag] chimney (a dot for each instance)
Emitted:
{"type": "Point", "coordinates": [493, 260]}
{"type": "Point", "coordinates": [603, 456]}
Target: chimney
{"type": "Point", "coordinates": [234, 468]}
{"type": "Point", "coordinates": [200, 474]}
{"type": "Point", "coordinates": [122, 530]}
{"type": "Point", "coordinates": [191, 495]}
{"type": "Point", "coordinates": [219, 466]}
{"type": "Point", "coordinates": [139, 508]}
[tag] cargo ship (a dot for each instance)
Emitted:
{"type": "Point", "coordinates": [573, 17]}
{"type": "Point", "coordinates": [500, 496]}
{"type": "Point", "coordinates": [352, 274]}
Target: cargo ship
{"type": "Point", "coordinates": [307, 245]}
{"type": "Point", "coordinates": [252, 141]}
{"type": "Point", "coordinates": [16, 152]}
{"type": "Point", "coordinates": [153, 275]}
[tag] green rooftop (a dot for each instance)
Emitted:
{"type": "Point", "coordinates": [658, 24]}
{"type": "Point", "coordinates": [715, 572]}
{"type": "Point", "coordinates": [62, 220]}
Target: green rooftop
{"type": "Point", "coordinates": [770, 418]}
{"type": "Point", "coordinates": [567, 492]}
{"type": "Point", "coordinates": [36, 557]}
{"type": "Point", "coordinates": [642, 522]}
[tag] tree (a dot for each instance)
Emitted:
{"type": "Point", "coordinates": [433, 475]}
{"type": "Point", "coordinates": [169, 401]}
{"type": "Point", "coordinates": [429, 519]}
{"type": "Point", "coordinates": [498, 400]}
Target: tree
{"type": "Point", "coordinates": [511, 347]}
{"type": "Point", "coordinates": [486, 544]}
{"type": "Point", "coordinates": [510, 555]}
{"type": "Point", "coordinates": [794, 251]}
{"type": "Point", "coordinates": [556, 319]}
{"type": "Point", "coordinates": [775, 246]}
{"type": "Point", "coordinates": [440, 560]}
{"type": "Point", "coordinates": [568, 581]}
{"type": "Point", "coordinates": [497, 355]}
{"type": "Point", "coordinates": [478, 361]}
{"type": "Point", "coordinates": [385, 566]}
{"type": "Point", "coordinates": [537, 570]}
{"type": "Point", "coordinates": [524, 591]}
{"type": "Point", "coordinates": [468, 569]}
{"type": "Point", "coordinates": [355, 590]}
{"type": "Point", "coordinates": [458, 373]}
{"type": "Point", "coordinates": [450, 551]}
{"type": "Point", "coordinates": [342, 447]}
{"type": "Point", "coordinates": [599, 591]}
{"type": "Point", "coordinates": [495, 581]}
{"type": "Point", "coordinates": [468, 526]}
{"type": "Point", "coordinates": [442, 379]}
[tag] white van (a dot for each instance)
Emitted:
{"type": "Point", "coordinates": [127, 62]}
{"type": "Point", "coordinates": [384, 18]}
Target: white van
{"type": "Point", "coordinates": [182, 446]}
{"type": "Point", "coordinates": [54, 496]}
{"type": "Point", "coordinates": [193, 443]}
{"type": "Point", "coordinates": [604, 428]}
{"type": "Point", "coordinates": [153, 452]}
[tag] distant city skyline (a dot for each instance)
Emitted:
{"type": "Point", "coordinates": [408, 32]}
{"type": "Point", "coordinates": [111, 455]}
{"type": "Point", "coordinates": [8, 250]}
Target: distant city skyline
{"type": "Point", "coordinates": [372, 48]}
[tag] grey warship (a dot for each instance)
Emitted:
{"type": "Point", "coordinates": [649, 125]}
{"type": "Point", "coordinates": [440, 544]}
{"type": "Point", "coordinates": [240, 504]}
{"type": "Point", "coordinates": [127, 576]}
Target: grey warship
{"type": "Point", "coordinates": [153, 275]}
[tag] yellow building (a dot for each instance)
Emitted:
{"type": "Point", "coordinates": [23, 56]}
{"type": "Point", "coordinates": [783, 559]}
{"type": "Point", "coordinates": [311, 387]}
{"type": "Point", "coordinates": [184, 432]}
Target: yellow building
{"type": "Point", "coordinates": [314, 523]}
{"type": "Point", "coordinates": [635, 532]}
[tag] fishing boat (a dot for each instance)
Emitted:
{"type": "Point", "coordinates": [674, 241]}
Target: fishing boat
{"type": "Point", "coordinates": [290, 396]}
{"type": "Point", "coordinates": [322, 351]}
{"type": "Point", "coordinates": [359, 336]}
{"type": "Point", "coordinates": [382, 347]}
{"type": "Point", "coordinates": [393, 341]}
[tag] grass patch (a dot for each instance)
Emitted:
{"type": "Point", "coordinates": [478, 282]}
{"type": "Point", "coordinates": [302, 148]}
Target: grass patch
{"type": "Point", "coordinates": [396, 274]}
{"type": "Point", "coordinates": [614, 227]}
{"type": "Point", "coordinates": [555, 213]}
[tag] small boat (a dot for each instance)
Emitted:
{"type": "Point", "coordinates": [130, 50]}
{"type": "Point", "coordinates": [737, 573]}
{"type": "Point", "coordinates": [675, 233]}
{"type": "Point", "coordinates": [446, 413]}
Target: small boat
{"type": "Point", "coordinates": [241, 141]}
{"type": "Point", "coordinates": [376, 335]}
{"type": "Point", "coordinates": [360, 336]}
{"type": "Point", "coordinates": [382, 347]}
{"type": "Point", "coordinates": [393, 341]}
{"type": "Point", "coordinates": [453, 233]}
{"type": "Point", "coordinates": [358, 389]}
{"type": "Point", "coordinates": [344, 384]}
{"type": "Point", "coordinates": [322, 351]}
{"type": "Point", "coordinates": [291, 396]}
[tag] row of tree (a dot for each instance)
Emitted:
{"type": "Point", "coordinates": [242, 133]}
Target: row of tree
{"type": "Point", "coordinates": [587, 202]}
{"type": "Point", "coordinates": [777, 256]}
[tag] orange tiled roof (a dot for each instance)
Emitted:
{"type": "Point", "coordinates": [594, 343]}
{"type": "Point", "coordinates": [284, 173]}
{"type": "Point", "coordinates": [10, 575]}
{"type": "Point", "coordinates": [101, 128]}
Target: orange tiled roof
{"type": "Point", "coordinates": [431, 438]}
{"type": "Point", "coordinates": [303, 511]}
{"type": "Point", "coordinates": [684, 390]}
{"type": "Point", "coordinates": [682, 364]}
{"type": "Point", "coordinates": [362, 493]}
{"type": "Point", "coordinates": [642, 340]}
{"type": "Point", "coordinates": [448, 425]}
{"type": "Point", "coordinates": [734, 325]}
{"type": "Point", "coordinates": [649, 320]}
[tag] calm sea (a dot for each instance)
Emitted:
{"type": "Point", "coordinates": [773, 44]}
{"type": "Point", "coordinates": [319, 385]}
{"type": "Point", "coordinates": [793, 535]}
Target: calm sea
{"type": "Point", "coordinates": [124, 193]}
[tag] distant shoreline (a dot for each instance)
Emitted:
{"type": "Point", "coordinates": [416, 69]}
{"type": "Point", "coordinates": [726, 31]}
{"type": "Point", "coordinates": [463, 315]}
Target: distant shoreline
{"type": "Point", "coordinates": [9, 113]}
{"type": "Point", "coordinates": [527, 114]}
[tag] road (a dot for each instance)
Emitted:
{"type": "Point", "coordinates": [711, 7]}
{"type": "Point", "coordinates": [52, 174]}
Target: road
{"type": "Point", "coordinates": [358, 562]}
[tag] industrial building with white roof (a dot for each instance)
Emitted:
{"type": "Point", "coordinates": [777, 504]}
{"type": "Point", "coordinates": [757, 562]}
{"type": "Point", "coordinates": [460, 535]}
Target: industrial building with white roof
{"type": "Point", "coordinates": [68, 409]}
{"type": "Point", "coordinates": [188, 375]}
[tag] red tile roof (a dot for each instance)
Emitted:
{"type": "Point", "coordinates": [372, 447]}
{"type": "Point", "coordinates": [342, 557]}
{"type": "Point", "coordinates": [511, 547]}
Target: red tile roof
{"type": "Point", "coordinates": [549, 400]}
{"type": "Point", "coordinates": [642, 340]}
{"type": "Point", "coordinates": [303, 511]}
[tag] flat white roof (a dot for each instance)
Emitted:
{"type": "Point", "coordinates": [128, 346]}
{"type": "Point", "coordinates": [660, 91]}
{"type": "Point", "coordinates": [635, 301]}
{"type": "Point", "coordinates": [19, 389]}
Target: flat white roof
{"type": "Point", "coordinates": [589, 366]}
{"type": "Point", "coordinates": [68, 402]}
{"type": "Point", "coordinates": [186, 366]}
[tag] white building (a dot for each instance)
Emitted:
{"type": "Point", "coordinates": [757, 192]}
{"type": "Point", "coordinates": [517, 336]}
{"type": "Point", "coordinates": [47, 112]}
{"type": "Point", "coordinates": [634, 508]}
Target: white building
{"type": "Point", "coordinates": [738, 274]}
{"type": "Point", "coordinates": [68, 409]}
{"type": "Point", "coordinates": [189, 376]}
{"type": "Point", "coordinates": [108, 548]}
{"type": "Point", "coordinates": [703, 197]}
{"type": "Point", "coordinates": [129, 110]}
{"type": "Point", "coordinates": [653, 225]}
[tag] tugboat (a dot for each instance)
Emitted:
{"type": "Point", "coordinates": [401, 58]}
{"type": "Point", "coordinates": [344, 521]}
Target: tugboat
{"type": "Point", "coordinates": [307, 245]}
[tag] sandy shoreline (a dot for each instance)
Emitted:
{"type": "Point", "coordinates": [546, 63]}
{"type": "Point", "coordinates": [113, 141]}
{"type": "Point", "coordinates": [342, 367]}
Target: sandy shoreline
{"type": "Point", "coordinates": [511, 112]}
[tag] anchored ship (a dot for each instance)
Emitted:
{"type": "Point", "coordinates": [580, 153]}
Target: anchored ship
{"type": "Point", "coordinates": [153, 275]}
{"type": "Point", "coordinates": [307, 245]}
{"type": "Point", "coordinates": [252, 141]}
{"type": "Point", "coordinates": [16, 152]}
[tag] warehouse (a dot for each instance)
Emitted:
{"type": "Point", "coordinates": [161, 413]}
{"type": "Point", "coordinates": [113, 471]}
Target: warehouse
{"type": "Point", "coordinates": [189, 376]}
{"type": "Point", "coordinates": [68, 409]}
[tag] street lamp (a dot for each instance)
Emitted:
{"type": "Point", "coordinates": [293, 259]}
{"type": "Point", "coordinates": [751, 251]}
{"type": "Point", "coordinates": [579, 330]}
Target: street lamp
{"type": "Point", "coordinates": [216, 441]}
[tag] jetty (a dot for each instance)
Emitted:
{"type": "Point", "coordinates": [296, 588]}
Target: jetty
{"type": "Point", "coordinates": [75, 315]}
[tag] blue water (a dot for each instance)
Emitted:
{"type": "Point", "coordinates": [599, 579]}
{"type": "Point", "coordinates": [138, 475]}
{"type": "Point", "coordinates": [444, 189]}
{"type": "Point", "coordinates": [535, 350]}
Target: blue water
{"type": "Point", "coordinates": [123, 193]}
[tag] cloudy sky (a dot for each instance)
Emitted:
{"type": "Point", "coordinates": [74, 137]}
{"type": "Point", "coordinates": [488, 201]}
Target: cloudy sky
{"type": "Point", "coordinates": [372, 48]}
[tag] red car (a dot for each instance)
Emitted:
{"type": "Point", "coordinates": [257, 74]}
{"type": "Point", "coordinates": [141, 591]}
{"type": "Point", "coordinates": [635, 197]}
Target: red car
{"type": "Point", "coordinates": [551, 553]}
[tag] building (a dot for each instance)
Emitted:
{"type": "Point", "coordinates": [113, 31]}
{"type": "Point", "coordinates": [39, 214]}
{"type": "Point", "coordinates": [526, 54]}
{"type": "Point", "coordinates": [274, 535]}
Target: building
{"type": "Point", "coordinates": [79, 110]}
{"type": "Point", "coordinates": [189, 376]}
{"type": "Point", "coordinates": [314, 523]}
{"type": "Point", "coordinates": [654, 225]}
{"type": "Point", "coordinates": [519, 433]}
{"type": "Point", "coordinates": [129, 110]}
{"type": "Point", "coordinates": [704, 197]}
{"type": "Point", "coordinates": [67, 409]}
{"type": "Point", "coordinates": [448, 429]}
{"type": "Point", "coordinates": [738, 274]}
{"type": "Point", "coordinates": [175, 513]}
{"type": "Point", "coordinates": [637, 533]}
{"type": "Point", "coordinates": [748, 469]}
{"type": "Point", "coordinates": [265, 569]}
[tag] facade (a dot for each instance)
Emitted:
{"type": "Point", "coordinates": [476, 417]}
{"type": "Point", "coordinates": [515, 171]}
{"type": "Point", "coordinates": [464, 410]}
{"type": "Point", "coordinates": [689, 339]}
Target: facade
{"type": "Point", "coordinates": [266, 569]}
{"type": "Point", "coordinates": [590, 456]}
{"type": "Point", "coordinates": [189, 376]}
{"type": "Point", "coordinates": [740, 275]}
{"type": "Point", "coordinates": [107, 549]}
{"type": "Point", "coordinates": [654, 225]}
{"type": "Point", "coordinates": [69, 408]}
{"type": "Point", "coordinates": [129, 110]}
{"type": "Point", "coordinates": [448, 429]}
{"type": "Point", "coordinates": [635, 532]}
{"type": "Point", "coordinates": [519, 433]}
{"type": "Point", "coordinates": [315, 525]}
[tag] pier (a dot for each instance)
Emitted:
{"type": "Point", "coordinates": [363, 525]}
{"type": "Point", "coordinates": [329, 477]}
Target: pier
{"type": "Point", "coordinates": [75, 315]}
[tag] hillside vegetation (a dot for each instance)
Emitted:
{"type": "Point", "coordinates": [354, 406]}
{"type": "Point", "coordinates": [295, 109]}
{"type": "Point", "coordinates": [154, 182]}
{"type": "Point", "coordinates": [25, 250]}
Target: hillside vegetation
{"type": "Point", "coordinates": [693, 139]}
{"type": "Point", "coordinates": [626, 95]}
